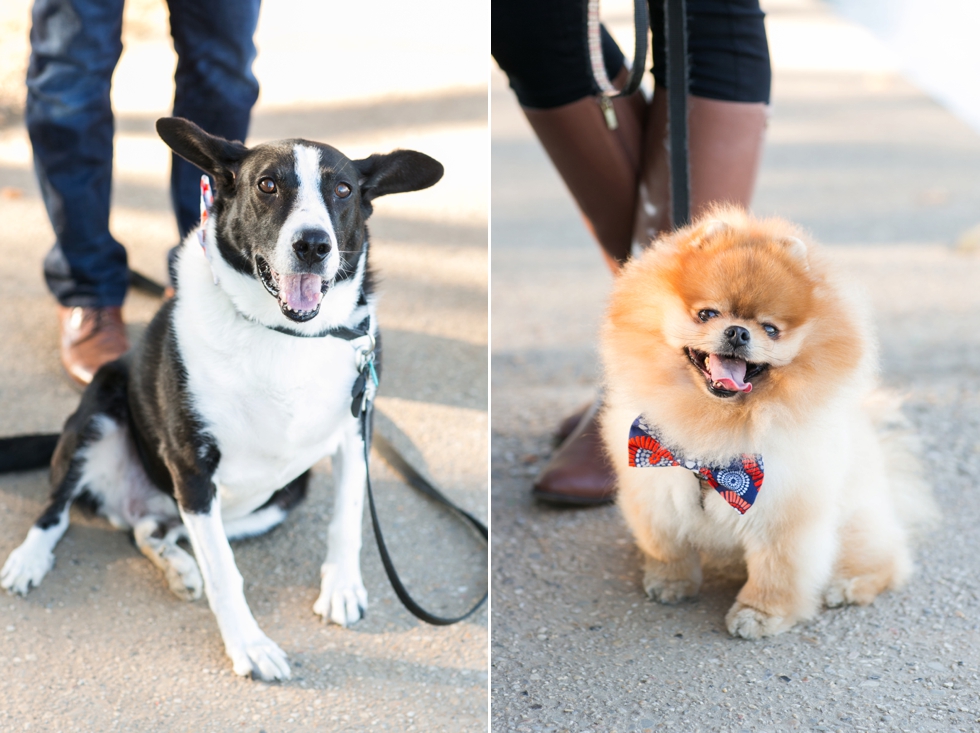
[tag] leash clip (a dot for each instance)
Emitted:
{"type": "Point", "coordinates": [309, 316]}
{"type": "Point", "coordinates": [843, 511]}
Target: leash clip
{"type": "Point", "coordinates": [360, 394]}
{"type": "Point", "coordinates": [365, 358]}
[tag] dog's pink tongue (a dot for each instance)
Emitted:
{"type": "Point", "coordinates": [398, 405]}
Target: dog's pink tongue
{"type": "Point", "coordinates": [300, 292]}
{"type": "Point", "coordinates": [729, 373]}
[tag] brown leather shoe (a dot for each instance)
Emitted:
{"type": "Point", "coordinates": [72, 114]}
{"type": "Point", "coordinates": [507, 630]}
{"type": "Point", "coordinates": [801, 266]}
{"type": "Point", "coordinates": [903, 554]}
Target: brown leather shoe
{"type": "Point", "coordinates": [578, 474]}
{"type": "Point", "coordinates": [90, 337]}
{"type": "Point", "coordinates": [568, 425]}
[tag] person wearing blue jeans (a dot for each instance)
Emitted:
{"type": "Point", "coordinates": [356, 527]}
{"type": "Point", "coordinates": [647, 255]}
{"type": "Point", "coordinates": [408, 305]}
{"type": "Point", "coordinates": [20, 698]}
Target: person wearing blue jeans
{"type": "Point", "coordinates": [75, 45]}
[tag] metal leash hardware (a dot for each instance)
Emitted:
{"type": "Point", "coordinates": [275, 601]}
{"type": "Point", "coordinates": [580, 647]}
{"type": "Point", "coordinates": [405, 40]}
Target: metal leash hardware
{"type": "Point", "coordinates": [365, 369]}
{"type": "Point", "coordinates": [416, 480]}
{"type": "Point", "coordinates": [641, 25]}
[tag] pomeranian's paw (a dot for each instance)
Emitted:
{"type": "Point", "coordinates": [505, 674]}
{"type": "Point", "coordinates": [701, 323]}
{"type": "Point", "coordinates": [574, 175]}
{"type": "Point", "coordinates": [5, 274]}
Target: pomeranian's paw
{"type": "Point", "coordinates": [858, 591]}
{"type": "Point", "coordinates": [751, 623]}
{"type": "Point", "coordinates": [669, 591]}
{"type": "Point", "coordinates": [837, 593]}
{"type": "Point", "coordinates": [671, 583]}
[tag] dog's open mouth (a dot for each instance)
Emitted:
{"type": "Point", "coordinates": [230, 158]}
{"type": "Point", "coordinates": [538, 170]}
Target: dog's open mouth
{"type": "Point", "coordinates": [299, 295]}
{"type": "Point", "coordinates": [726, 375]}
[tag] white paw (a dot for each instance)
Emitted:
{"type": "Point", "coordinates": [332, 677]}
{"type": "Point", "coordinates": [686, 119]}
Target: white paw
{"type": "Point", "coordinates": [837, 593]}
{"type": "Point", "coordinates": [343, 598]}
{"type": "Point", "coordinates": [669, 591]}
{"type": "Point", "coordinates": [184, 577]}
{"type": "Point", "coordinates": [260, 658]}
{"type": "Point", "coordinates": [750, 623]}
{"type": "Point", "coordinates": [25, 568]}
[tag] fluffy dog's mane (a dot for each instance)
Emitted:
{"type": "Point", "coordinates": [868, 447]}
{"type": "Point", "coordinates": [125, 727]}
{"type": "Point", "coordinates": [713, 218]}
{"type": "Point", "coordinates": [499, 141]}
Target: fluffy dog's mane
{"type": "Point", "coordinates": [755, 267]}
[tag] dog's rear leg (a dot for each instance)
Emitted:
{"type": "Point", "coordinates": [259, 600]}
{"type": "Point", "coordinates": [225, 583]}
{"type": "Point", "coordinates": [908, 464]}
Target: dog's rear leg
{"type": "Point", "coordinates": [157, 539]}
{"type": "Point", "coordinates": [29, 563]}
{"type": "Point", "coordinates": [87, 458]}
{"type": "Point", "coordinates": [343, 598]}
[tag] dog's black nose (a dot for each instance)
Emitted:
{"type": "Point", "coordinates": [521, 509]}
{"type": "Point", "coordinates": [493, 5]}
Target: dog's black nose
{"type": "Point", "coordinates": [312, 246]}
{"type": "Point", "coordinates": [737, 336]}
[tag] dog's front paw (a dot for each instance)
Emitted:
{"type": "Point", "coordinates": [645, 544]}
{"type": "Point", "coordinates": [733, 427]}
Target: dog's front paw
{"type": "Point", "coordinates": [260, 658]}
{"type": "Point", "coordinates": [751, 623]}
{"type": "Point", "coordinates": [669, 591]}
{"type": "Point", "coordinates": [859, 591]}
{"type": "Point", "coordinates": [672, 582]}
{"type": "Point", "coordinates": [837, 593]}
{"type": "Point", "coordinates": [25, 568]}
{"type": "Point", "coordinates": [343, 598]}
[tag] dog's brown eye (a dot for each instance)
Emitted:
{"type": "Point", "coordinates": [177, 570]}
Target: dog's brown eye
{"type": "Point", "coordinates": [342, 190]}
{"type": "Point", "coordinates": [707, 314]}
{"type": "Point", "coordinates": [771, 331]}
{"type": "Point", "coordinates": [267, 185]}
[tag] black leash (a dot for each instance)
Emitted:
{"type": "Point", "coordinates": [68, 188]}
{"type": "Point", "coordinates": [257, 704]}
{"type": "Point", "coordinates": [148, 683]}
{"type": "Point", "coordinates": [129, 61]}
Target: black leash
{"type": "Point", "coordinates": [148, 285]}
{"type": "Point", "coordinates": [675, 31]}
{"type": "Point", "coordinates": [362, 406]}
{"type": "Point", "coordinates": [27, 452]}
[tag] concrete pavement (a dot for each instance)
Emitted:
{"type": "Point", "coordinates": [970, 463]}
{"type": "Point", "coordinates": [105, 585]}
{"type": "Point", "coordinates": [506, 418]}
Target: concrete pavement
{"type": "Point", "coordinates": [102, 644]}
{"type": "Point", "coordinates": [887, 180]}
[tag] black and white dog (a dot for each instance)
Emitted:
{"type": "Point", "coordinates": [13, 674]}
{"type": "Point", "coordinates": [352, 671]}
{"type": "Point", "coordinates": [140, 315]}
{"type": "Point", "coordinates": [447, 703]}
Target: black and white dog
{"type": "Point", "coordinates": [208, 429]}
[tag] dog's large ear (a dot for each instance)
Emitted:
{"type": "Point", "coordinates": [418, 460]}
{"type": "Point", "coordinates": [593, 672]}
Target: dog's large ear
{"type": "Point", "coordinates": [396, 172]}
{"type": "Point", "coordinates": [212, 154]}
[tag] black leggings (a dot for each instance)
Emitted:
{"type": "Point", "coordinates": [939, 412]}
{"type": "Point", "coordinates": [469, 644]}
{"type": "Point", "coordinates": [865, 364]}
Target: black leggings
{"type": "Point", "coordinates": [542, 47]}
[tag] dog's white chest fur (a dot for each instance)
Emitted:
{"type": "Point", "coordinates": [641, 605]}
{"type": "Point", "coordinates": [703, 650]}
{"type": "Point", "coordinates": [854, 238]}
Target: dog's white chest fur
{"type": "Point", "coordinates": [274, 415]}
{"type": "Point", "coordinates": [275, 404]}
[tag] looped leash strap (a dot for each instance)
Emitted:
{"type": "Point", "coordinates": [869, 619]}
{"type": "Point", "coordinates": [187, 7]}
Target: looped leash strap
{"type": "Point", "coordinates": [418, 481]}
{"type": "Point", "coordinates": [641, 24]}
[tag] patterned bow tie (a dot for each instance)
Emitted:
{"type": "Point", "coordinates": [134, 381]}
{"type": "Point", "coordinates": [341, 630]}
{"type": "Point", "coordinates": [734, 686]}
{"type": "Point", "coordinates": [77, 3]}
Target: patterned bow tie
{"type": "Point", "coordinates": [738, 483]}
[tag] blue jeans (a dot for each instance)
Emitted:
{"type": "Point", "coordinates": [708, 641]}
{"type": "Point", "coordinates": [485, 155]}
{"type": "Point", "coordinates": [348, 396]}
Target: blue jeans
{"type": "Point", "coordinates": [75, 45]}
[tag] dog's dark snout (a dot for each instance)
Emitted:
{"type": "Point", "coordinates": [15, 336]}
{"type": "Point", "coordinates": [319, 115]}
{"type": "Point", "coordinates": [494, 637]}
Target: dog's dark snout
{"type": "Point", "coordinates": [737, 336]}
{"type": "Point", "coordinates": [312, 246]}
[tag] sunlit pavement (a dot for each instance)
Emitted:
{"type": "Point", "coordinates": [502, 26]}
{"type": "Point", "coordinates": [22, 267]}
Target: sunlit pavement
{"type": "Point", "coordinates": [887, 180]}
{"type": "Point", "coordinates": [102, 644]}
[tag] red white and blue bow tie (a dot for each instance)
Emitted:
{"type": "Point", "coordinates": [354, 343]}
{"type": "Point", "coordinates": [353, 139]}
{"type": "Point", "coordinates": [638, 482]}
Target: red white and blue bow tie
{"type": "Point", "coordinates": [738, 483]}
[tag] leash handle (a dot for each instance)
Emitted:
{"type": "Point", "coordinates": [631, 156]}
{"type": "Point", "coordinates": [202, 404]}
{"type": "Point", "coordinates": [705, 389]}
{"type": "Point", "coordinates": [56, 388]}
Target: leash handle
{"type": "Point", "coordinates": [641, 24]}
{"type": "Point", "coordinates": [419, 482]}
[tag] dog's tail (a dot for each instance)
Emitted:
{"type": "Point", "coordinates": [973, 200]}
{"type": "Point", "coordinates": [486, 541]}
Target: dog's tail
{"type": "Point", "coordinates": [27, 452]}
{"type": "Point", "coordinates": [902, 449]}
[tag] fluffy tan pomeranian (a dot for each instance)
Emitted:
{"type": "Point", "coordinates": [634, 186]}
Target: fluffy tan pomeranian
{"type": "Point", "coordinates": [743, 422]}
